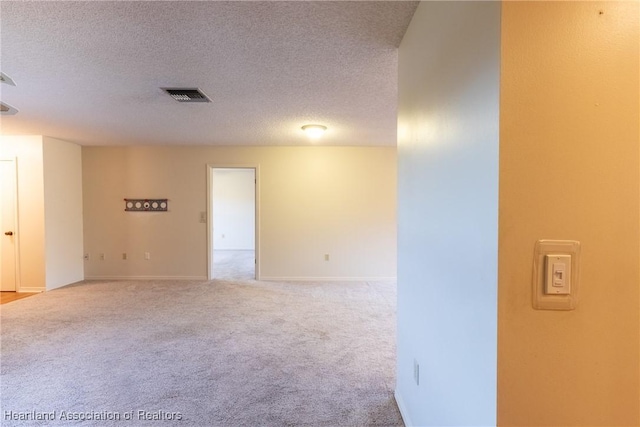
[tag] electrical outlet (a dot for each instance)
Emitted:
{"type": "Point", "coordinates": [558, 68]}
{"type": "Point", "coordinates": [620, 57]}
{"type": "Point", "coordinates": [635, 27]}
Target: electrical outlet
{"type": "Point", "coordinates": [147, 255]}
{"type": "Point", "coordinates": [203, 217]}
{"type": "Point", "coordinates": [87, 257]}
{"type": "Point", "coordinates": [102, 257]}
{"type": "Point", "coordinates": [416, 372]}
{"type": "Point", "coordinates": [124, 255]}
{"type": "Point", "coordinates": [326, 257]}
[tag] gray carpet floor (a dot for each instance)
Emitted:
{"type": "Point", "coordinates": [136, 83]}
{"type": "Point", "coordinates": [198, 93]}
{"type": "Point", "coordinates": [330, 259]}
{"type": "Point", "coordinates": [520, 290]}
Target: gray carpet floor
{"type": "Point", "coordinates": [193, 353]}
{"type": "Point", "coordinates": [234, 265]}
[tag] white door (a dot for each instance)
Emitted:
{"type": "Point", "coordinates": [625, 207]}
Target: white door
{"type": "Point", "coordinates": [7, 225]}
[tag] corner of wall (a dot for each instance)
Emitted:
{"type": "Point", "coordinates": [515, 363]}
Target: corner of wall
{"type": "Point", "coordinates": [62, 166]}
{"type": "Point", "coordinates": [448, 143]}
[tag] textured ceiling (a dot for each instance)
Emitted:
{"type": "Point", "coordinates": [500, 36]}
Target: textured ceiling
{"type": "Point", "coordinates": [91, 72]}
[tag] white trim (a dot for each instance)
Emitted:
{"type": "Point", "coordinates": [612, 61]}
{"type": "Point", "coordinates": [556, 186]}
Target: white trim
{"type": "Point", "coordinates": [326, 279]}
{"type": "Point", "coordinates": [256, 168]}
{"type": "Point", "coordinates": [145, 278]}
{"type": "Point", "coordinates": [266, 279]}
{"type": "Point", "coordinates": [403, 409]}
{"type": "Point", "coordinates": [209, 223]}
{"type": "Point", "coordinates": [30, 290]}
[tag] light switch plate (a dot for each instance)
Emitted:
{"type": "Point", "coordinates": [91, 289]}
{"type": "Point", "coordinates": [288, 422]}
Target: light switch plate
{"type": "Point", "coordinates": [556, 274]}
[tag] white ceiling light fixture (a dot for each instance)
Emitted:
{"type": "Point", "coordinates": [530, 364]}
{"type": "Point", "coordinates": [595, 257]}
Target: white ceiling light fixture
{"type": "Point", "coordinates": [314, 131]}
{"type": "Point", "coordinates": [7, 110]}
{"type": "Point", "coordinates": [6, 79]}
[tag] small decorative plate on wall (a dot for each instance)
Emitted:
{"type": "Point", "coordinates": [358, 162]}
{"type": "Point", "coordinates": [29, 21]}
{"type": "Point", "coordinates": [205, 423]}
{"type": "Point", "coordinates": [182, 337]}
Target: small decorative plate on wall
{"type": "Point", "coordinates": [146, 205]}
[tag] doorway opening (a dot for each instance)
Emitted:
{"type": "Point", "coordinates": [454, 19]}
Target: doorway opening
{"type": "Point", "coordinates": [233, 222]}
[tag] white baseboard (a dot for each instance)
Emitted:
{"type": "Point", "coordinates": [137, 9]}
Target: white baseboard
{"type": "Point", "coordinates": [30, 290]}
{"type": "Point", "coordinates": [264, 278]}
{"type": "Point", "coordinates": [325, 279]}
{"type": "Point", "coordinates": [145, 278]}
{"type": "Point", "coordinates": [403, 409]}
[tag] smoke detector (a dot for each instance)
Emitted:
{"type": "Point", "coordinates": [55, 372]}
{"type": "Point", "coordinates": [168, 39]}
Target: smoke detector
{"type": "Point", "coordinates": [186, 94]}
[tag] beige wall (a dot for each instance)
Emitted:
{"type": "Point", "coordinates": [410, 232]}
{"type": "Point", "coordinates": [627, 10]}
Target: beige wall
{"type": "Point", "coordinates": [313, 201]}
{"type": "Point", "coordinates": [569, 168]}
{"type": "Point", "coordinates": [49, 211]}
{"type": "Point", "coordinates": [63, 212]}
{"type": "Point", "coordinates": [30, 236]}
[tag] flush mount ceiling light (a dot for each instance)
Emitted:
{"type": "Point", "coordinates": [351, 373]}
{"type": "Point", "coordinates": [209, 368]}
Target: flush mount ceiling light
{"type": "Point", "coordinates": [314, 131]}
{"type": "Point", "coordinates": [186, 94]}
{"type": "Point", "coordinates": [7, 110]}
{"type": "Point", "coordinates": [6, 79]}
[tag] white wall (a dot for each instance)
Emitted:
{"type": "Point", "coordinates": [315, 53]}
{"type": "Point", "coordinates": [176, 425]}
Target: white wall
{"type": "Point", "coordinates": [314, 201]}
{"type": "Point", "coordinates": [233, 203]}
{"type": "Point", "coordinates": [449, 64]}
{"type": "Point", "coordinates": [30, 234]}
{"type": "Point", "coordinates": [63, 212]}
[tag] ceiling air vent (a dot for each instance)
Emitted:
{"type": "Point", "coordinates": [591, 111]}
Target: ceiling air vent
{"type": "Point", "coordinates": [186, 94]}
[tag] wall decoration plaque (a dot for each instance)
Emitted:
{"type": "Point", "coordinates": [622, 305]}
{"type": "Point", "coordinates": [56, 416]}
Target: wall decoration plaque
{"type": "Point", "coordinates": [146, 205]}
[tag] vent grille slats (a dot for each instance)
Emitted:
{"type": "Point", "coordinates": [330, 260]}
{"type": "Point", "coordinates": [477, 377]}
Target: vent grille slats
{"type": "Point", "coordinates": [187, 94]}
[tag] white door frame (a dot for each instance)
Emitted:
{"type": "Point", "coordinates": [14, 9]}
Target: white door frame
{"type": "Point", "coordinates": [210, 168]}
{"type": "Point", "coordinates": [16, 233]}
